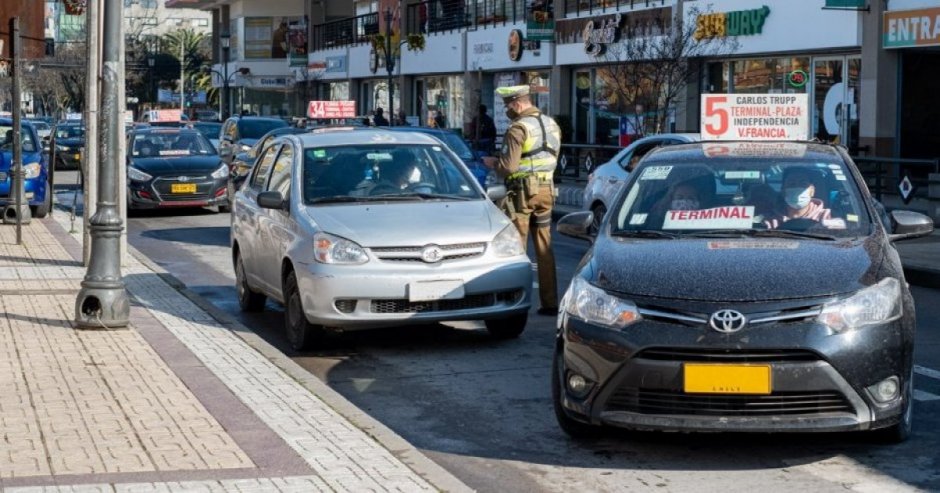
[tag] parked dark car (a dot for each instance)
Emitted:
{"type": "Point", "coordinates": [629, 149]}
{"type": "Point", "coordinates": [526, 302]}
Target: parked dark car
{"type": "Point", "coordinates": [174, 167]}
{"type": "Point", "coordinates": [740, 287]}
{"type": "Point", "coordinates": [474, 163]}
{"type": "Point", "coordinates": [239, 133]}
{"type": "Point", "coordinates": [38, 183]}
{"type": "Point", "coordinates": [244, 161]}
{"type": "Point", "coordinates": [209, 130]}
{"type": "Point", "coordinates": [69, 140]}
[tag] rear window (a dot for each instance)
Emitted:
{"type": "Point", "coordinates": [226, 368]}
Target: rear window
{"type": "Point", "coordinates": [6, 138]}
{"type": "Point", "coordinates": [255, 129]}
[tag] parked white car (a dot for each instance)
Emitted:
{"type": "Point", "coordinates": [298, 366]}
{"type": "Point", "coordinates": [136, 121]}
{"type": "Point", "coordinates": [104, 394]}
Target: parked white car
{"type": "Point", "coordinates": [607, 180]}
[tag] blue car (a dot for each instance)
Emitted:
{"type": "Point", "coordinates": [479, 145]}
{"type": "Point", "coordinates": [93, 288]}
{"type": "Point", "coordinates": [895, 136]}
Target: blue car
{"type": "Point", "coordinates": [484, 175]}
{"type": "Point", "coordinates": [38, 185]}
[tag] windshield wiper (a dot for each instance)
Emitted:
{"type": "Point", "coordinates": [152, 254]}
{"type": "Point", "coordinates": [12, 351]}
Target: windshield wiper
{"type": "Point", "coordinates": [425, 195]}
{"type": "Point", "coordinates": [643, 233]}
{"type": "Point", "coordinates": [337, 198]}
{"type": "Point", "coordinates": [765, 233]}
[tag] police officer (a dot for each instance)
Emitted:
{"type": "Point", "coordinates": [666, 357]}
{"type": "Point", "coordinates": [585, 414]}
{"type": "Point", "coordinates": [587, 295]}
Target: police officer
{"type": "Point", "coordinates": [527, 162]}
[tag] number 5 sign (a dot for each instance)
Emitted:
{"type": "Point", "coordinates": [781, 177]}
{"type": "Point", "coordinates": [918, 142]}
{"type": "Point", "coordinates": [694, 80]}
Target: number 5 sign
{"type": "Point", "coordinates": [755, 117]}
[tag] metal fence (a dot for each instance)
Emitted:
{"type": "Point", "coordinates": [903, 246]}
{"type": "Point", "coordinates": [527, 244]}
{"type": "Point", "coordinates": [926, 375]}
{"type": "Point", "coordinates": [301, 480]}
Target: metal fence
{"type": "Point", "coordinates": [343, 32]}
{"type": "Point", "coordinates": [883, 175]}
{"type": "Point", "coordinates": [576, 159]}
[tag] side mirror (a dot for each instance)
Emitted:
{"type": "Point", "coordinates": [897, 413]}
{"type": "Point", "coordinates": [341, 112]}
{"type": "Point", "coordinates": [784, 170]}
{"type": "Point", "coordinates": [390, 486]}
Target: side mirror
{"type": "Point", "coordinates": [576, 225]}
{"type": "Point", "coordinates": [496, 192]}
{"type": "Point", "coordinates": [906, 225]}
{"type": "Point", "coordinates": [272, 200]}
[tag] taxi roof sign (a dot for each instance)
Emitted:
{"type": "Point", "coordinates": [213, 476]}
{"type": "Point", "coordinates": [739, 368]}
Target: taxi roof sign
{"type": "Point", "coordinates": [755, 117]}
{"type": "Point", "coordinates": [164, 116]}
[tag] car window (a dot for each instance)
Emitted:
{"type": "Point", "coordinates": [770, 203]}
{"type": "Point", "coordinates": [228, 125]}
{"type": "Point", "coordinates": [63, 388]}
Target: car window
{"type": "Point", "coordinates": [630, 159]}
{"type": "Point", "coordinates": [389, 171]}
{"type": "Point", "coordinates": [743, 194]}
{"type": "Point", "coordinates": [280, 177]}
{"type": "Point", "coordinates": [26, 138]}
{"type": "Point", "coordinates": [69, 132]}
{"type": "Point", "coordinates": [254, 129]}
{"type": "Point", "coordinates": [264, 165]}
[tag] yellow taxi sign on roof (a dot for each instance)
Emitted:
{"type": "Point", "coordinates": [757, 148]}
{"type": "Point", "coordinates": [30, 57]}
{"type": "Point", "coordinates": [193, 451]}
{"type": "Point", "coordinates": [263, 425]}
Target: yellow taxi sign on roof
{"type": "Point", "coordinates": [755, 117]}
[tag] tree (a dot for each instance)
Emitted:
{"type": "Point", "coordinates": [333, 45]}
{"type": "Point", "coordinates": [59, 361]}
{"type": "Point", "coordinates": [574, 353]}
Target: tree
{"type": "Point", "coordinates": [194, 48]}
{"type": "Point", "coordinates": [649, 70]}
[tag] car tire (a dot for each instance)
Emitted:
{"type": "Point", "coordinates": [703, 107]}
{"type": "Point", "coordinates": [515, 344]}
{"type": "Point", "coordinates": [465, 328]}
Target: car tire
{"type": "Point", "coordinates": [507, 328]}
{"type": "Point", "coordinates": [598, 211]}
{"type": "Point", "coordinates": [572, 427]}
{"type": "Point", "coordinates": [301, 334]}
{"type": "Point", "coordinates": [900, 431]}
{"type": "Point", "coordinates": [42, 210]}
{"type": "Point", "coordinates": [248, 299]}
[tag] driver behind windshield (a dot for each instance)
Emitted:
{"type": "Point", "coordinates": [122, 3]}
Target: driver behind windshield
{"type": "Point", "coordinates": [799, 196]}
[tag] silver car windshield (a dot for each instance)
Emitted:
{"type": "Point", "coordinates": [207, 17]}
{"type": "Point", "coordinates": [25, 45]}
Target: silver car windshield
{"type": "Point", "coordinates": [384, 172]}
{"type": "Point", "coordinates": [733, 196]}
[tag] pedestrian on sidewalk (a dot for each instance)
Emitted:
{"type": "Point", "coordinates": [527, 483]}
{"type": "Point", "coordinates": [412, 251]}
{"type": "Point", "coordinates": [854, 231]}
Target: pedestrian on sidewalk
{"type": "Point", "coordinates": [527, 163]}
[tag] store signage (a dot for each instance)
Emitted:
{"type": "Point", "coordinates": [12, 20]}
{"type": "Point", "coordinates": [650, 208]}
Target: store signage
{"type": "Point", "coordinates": [797, 78]}
{"type": "Point", "coordinates": [515, 45]}
{"type": "Point", "coordinates": [331, 109]}
{"type": "Point", "coordinates": [273, 81]}
{"type": "Point", "coordinates": [905, 28]}
{"type": "Point", "coordinates": [335, 64]}
{"type": "Point", "coordinates": [540, 21]}
{"type": "Point", "coordinates": [597, 36]}
{"type": "Point", "coordinates": [736, 23]}
{"type": "Point", "coordinates": [755, 117]}
{"type": "Point", "coordinates": [482, 48]}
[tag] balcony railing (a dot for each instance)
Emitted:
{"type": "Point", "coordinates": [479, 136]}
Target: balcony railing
{"type": "Point", "coordinates": [432, 16]}
{"type": "Point", "coordinates": [343, 32]}
{"type": "Point", "coordinates": [574, 8]}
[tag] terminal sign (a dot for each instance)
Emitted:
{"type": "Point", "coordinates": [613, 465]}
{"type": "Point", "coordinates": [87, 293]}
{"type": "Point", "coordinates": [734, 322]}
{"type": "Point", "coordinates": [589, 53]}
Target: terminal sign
{"type": "Point", "coordinates": [755, 117]}
{"type": "Point", "coordinates": [331, 109]}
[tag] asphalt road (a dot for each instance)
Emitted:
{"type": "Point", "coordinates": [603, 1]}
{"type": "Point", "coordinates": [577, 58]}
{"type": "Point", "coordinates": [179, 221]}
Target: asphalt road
{"type": "Point", "coordinates": [482, 409]}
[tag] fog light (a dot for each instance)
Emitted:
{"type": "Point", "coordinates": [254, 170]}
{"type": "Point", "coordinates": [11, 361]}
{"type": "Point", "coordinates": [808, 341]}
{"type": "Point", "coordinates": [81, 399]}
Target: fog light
{"type": "Point", "coordinates": [578, 385]}
{"type": "Point", "coordinates": [886, 390]}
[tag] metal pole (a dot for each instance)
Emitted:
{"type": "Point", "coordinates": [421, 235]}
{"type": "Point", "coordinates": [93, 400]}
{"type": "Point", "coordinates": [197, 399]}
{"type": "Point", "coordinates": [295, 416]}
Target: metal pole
{"type": "Point", "coordinates": [389, 59]}
{"type": "Point", "coordinates": [225, 95]}
{"type": "Point", "coordinates": [102, 301]}
{"type": "Point", "coordinates": [20, 211]}
{"type": "Point", "coordinates": [89, 170]}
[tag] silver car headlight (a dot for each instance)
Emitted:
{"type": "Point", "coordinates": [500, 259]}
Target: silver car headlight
{"type": "Point", "coordinates": [137, 175]}
{"type": "Point", "coordinates": [32, 170]}
{"type": "Point", "coordinates": [876, 304]}
{"type": "Point", "coordinates": [508, 243]}
{"type": "Point", "coordinates": [220, 173]}
{"type": "Point", "coordinates": [592, 304]}
{"type": "Point", "coordinates": [329, 249]}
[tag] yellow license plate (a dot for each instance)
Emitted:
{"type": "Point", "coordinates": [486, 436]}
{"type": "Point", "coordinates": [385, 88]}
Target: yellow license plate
{"type": "Point", "coordinates": [183, 188]}
{"type": "Point", "coordinates": [704, 378]}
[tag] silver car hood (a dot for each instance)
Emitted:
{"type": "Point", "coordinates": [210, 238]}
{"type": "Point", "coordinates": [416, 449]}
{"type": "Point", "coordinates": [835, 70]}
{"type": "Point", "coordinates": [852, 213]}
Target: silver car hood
{"type": "Point", "coordinates": [411, 223]}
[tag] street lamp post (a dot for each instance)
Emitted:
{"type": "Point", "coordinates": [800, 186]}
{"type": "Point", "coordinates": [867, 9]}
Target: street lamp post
{"type": "Point", "coordinates": [151, 61]}
{"type": "Point", "coordinates": [226, 39]}
{"type": "Point", "coordinates": [389, 60]}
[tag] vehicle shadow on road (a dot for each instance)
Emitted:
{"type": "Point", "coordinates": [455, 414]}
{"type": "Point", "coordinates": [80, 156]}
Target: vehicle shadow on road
{"type": "Point", "coordinates": [209, 236]}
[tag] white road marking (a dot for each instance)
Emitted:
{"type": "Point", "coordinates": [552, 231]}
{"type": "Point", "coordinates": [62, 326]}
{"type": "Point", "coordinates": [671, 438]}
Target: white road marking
{"type": "Point", "coordinates": [927, 372]}
{"type": "Point", "coordinates": [920, 395]}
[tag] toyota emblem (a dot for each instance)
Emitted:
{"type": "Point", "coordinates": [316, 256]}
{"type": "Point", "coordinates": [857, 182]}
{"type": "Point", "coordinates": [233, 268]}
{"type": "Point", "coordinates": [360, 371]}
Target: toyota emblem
{"type": "Point", "coordinates": [727, 321]}
{"type": "Point", "coordinates": [182, 178]}
{"type": "Point", "coordinates": [432, 254]}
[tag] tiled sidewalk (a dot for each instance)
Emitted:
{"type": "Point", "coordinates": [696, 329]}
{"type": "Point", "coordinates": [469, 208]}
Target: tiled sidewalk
{"type": "Point", "coordinates": [175, 402]}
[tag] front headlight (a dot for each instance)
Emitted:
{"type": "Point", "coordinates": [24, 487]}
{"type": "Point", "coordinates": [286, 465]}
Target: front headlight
{"type": "Point", "coordinates": [592, 304]}
{"type": "Point", "coordinates": [508, 243]}
{"type": "Point", "coordinates": [330, 249]}
{"type": "Point", "coordinates": [137, 175]}
{"type": "Point", "coordinates": [220, 173]}
{"type": "Point", "coordinates": [32, 170]}
{"type": "Point", "coordinates": [873, 305]}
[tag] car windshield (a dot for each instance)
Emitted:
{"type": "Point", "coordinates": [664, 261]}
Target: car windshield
{"type": "Point", "coordinates": [69, 132]}
{"type": "Point", "coordinates": [209, 130]}
{"type": "Point", "coordinates": [171, 144]}
{"type": "Point", "coordinates": [6, 138]}
{"type": "Point", "coordinates": [384, 172]}
{"type": "Point", "coordinates": [40, 125]}
{"type": "Point", "coordinates": [255, 129]}
{"type": "Point", "coordinates": [783, 193]}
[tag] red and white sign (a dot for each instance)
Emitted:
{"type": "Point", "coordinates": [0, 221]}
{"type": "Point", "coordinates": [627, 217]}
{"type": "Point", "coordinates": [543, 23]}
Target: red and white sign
{"type": "Point", "coordinates": [165, 116]}
{"type": "Point", "coordinates": [755, 117]}
{"type": "Point", "coordinates": [730, 217]}
{"type": "Point", "coordinates": [331, 109]}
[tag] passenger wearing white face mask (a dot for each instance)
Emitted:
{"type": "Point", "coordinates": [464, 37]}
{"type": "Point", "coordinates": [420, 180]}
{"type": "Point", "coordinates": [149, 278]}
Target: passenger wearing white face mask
{"type": "Point", "coordinates": [799, 195]}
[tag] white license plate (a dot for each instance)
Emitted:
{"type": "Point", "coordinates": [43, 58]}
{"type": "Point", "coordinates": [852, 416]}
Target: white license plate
{"type": "Point", "coordinates": [435, 290]}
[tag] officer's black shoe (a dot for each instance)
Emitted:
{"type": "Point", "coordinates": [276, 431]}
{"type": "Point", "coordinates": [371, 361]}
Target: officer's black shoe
{"type": "Point", "coordinates": [548, 311]}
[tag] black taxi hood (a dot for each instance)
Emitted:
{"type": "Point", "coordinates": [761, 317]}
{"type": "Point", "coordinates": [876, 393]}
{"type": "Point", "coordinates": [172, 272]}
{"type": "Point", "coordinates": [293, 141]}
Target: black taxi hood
{"type": "Point", "coordinates": [747, 269]}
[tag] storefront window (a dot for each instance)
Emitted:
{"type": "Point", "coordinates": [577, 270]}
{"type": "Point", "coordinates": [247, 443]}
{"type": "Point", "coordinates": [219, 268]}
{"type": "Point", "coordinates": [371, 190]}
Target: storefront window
{"type": "Point", "coordinates": [582, 105]}
{"type": "Point", "coordinates": [770, 75]}
{"type": "Point", "coordinates": [716, 78]}
{"type": "Point", "coordinates": [339, 91]}
{"type": "Point", "coordinates": [442, 102]}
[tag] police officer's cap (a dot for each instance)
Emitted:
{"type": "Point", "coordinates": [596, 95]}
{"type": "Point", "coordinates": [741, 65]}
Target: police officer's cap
{"type": "Point", "coordinates": [512, 93]}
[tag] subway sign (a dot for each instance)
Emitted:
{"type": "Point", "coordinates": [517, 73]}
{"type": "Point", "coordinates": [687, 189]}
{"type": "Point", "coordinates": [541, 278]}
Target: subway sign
{"type": "Point", "coordinates": [908, 28]}
{"type": "Point", "coordinates": [735, 23]}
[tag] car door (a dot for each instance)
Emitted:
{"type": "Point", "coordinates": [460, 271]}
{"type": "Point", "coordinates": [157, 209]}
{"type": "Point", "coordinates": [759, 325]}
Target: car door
{"type": "Point", "coordinates": [275, 228]}
{"type": "Point", "coordinates": [247, 217]}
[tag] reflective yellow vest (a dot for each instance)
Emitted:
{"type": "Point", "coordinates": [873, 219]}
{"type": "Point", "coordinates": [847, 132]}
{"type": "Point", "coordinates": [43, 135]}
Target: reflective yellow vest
{"type": "Point", "coordinates": [542, 144]}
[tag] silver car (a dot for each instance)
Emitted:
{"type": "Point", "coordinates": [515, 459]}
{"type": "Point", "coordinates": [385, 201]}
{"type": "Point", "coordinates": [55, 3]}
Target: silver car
{"type": "Point", "coordinates": [604, 183]}
{"type": "Point", "coordinates": [364, 228]}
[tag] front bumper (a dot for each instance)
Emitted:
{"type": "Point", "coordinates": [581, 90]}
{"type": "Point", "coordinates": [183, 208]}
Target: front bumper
{"type": "Point", "coordinates": [34, 189]}
{"type": "Point", "coordinates": [69, 159]}
{"type": "Point", "coordinates": [819, 378]}
{"type": "Point", "coordinates": [376, 294]}
{"type": "Point", "coordinates": [158, 193]}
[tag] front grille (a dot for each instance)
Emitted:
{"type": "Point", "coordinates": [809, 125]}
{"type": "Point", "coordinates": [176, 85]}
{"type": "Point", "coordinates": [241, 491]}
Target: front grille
{"type": "Point", "coordinates": [456, 251]}
{"type": "Point", "coordinates": [405, 306]}
{"type": "Point", "coordinates": [659, 402]}
{"type": "Point", "coordinates": [727, 355]}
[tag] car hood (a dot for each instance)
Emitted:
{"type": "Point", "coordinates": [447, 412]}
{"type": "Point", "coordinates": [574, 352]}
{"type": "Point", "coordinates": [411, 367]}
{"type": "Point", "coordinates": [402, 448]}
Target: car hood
{"type": "Point", "coordinates": [395, 224]}
{"type": "Point", "coordinates": [70, 142]}
{"type": "Point", "coordinates": [188, 164]}
{"type": "Point", "coordinates": [760, 269]}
